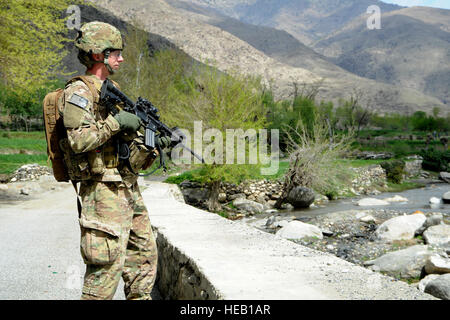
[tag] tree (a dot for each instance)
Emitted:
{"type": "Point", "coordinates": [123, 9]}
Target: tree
{"type": "Point", "coordinates": [31, 43]}
{"type": "Point", "coordinates": [187, 93]}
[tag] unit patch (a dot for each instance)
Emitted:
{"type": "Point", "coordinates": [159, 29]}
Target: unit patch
{"type": "Point", "coordinates": [79, 101]}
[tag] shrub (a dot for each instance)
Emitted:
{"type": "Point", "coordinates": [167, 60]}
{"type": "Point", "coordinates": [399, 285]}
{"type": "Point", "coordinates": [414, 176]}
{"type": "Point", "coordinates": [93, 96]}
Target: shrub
{"type": "Point", "coordinates": [395, 169]}
{"type": "Point", "coordinates": [435, 160]}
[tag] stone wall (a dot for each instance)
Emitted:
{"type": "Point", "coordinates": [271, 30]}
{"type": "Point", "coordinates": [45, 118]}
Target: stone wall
{"type": "Point", "coordinates": [178, 277]}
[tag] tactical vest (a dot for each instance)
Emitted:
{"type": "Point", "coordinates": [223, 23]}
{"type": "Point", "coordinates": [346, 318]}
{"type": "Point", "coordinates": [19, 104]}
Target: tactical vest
{"type": "Point", "coordinates": [93, 164]}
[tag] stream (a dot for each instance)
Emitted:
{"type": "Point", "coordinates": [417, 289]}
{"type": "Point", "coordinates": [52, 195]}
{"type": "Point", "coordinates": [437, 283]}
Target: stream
{"type": "Point", "coordinates": [418, 199]}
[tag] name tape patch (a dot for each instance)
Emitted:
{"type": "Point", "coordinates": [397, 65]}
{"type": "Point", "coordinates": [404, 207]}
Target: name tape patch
{"type": "Point", "coordinates": [79, 101]}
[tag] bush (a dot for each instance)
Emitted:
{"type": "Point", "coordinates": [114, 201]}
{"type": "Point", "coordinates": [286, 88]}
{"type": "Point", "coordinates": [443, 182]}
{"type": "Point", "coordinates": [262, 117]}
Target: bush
{"type": "Point", "coordinates": [435, 160]}
{"type": "Point", "coordinates": [395, 169]}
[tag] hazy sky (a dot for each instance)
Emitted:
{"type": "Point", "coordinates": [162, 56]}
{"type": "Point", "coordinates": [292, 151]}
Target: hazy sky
{"type": "Point", "coordinates": [429, 3]}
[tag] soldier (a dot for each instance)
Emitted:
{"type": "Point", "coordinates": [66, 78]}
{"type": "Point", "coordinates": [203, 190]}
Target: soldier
{"type": "Point", "coordinates": [116, 235]}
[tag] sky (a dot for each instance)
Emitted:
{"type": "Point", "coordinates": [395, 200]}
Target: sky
{"type": "Point", "coordinates": [428, 3]}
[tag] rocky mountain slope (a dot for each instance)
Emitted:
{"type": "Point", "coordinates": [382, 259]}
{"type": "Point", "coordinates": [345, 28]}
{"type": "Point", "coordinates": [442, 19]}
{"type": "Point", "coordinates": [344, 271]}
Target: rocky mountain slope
{"type": "Point", "coordinates": [407, 51]}
{"type": "Point", "coordinates": [207, 35]}
{"type": "Point", "coordinates": [306, 20]}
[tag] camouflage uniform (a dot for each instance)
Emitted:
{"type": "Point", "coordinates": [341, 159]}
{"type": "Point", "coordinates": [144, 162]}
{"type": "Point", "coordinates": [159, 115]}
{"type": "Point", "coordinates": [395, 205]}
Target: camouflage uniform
{"type": "Point", "coordinates": [116, 235]}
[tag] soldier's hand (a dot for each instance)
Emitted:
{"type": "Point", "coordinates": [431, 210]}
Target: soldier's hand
{"type": "Point", "coordinates": [128, 121]}
{"type": "Point", "coordinates": [164, 141]}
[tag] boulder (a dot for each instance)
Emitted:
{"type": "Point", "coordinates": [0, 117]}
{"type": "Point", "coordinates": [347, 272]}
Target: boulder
{"type": "Point", "coordinates": [432, 220]}
{"type": "Point", "coordinates": [424, 282]}
{"type": "Point", "coordinates": [400, 228]}
{"type": "Point", "coordinates": [406, 263]}
{"type": "Point", "coordinates": [249, 206]}
{"type": "Point", "coordinates": [437, 235]}
{"type": "Point", "coordinates": [434, 200]}
{"type": "Point", "coordinates": [298, 230]}
{"type": "Point", "coordinates": [300, 197]}
{"type": "Point", "coordinates": [365, 202]}
{"type": "Point", "coordinates": [445, 176]}
{"type": "Point", "coordinates": [439, 287]}
{"type": "Point", "coordinates": [437, 264]}
{"type": "Point", "coordinates": [446, 197]}
{"type": "Point", "coordinates": [195, 196]}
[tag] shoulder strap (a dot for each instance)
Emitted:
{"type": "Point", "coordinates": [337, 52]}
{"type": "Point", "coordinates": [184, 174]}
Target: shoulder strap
{"type": "Point", "coordinates": [90, 84]}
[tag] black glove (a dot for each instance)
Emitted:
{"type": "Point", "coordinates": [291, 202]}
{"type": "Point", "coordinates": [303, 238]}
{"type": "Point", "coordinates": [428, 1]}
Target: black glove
{"type": "Point", "coordinates": [128, 121]}
{"type": "Point", "coordinates": [164, 141]}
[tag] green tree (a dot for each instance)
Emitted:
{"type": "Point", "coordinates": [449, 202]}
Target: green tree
{"type": "Point", "coordinates": [31, 43]}
{"type": "Point", "coordinates": [186, 92]}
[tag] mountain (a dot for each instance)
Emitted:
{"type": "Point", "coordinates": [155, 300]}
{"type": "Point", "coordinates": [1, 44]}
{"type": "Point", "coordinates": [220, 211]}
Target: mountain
{"type": "Point", "coordinates": [208, 35]}
{"type": "Point", "coordinates": [407, 51]}
{"type": "Point", "coordinates": [306, 20]}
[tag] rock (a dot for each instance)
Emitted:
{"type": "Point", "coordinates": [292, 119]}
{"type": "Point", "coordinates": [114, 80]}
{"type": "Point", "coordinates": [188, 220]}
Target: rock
{"type": "Point", "coordinates": [434, 200]}
{"type": "Point", "coordinates": [424, 282]}
{"type": "Point", "coordinates": [413, 168]}
{"type": "Point", "coordinates": [437, 264]}
{"type": "Point", "coordinates": [249, 206]}
{"type": "Point", "coordinates": [374, 155]}
{"type": "Point", "coordinates": [400, 228]}
{"type": "Point", "coordinates": [195, 196]}
{"type": "Point", "coordinates": [439, 287]}
{"type": "Point", "coordinates": [446, 197]}
{"type": "Point", "coordinates": [298, 230]}
{"type": "Point", "coordinates": [445, 176]}
{"type": "Point", "coordinates": [406, 263]}
{"type": "Point", "coordinates": [3, 187]}
{"type": "Point", "coordinates": [368, 219]}
{"type": "Point", "coordinates": [25, 191]}
{"type": "Point", "coordinates": [433, 220]}
{"type": "Point", "coordinates": [236, 196]}
{"type": "Point", "coordinates": [300, 197]}
{"type": "Point", "coordinates": [396, 198]}
{"type": "Point", "coordinates": [327, 232]}
{"type": "Point", "coordinates": [371, 202]}
{"type": "Point", "coordinates": [437, 235]}
{"type": "Point", "coordinates": [222, 197]}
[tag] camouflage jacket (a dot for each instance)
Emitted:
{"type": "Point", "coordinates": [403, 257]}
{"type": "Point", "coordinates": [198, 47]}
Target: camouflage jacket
{"type": "Point", "coordinates": [90, 126]}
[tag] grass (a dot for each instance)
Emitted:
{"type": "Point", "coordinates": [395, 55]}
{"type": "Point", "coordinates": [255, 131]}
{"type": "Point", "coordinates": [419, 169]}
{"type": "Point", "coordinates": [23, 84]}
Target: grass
{"type": "Point", "coordinates": [195, 174]}
{"type": "Point", "coordinates": [15, 149]}
{"type": "Point", "coordinates": [11, 162]}
{"type": "Point", "coordinates": [394, 187]}
{"type": "Point", "coordinates": [29, 141]}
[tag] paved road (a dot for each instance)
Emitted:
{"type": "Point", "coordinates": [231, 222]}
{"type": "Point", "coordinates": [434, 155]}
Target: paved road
{"type": "Point", "coordinates": [39, 245]}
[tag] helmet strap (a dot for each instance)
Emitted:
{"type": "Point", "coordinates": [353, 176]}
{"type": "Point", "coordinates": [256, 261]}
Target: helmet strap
{"type": "Point", "coordinates": [105, 62]}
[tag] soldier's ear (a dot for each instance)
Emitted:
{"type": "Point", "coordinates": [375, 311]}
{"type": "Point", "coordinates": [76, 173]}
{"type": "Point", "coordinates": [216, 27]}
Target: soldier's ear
{"type": "Point", "coordinates": [98, 57]}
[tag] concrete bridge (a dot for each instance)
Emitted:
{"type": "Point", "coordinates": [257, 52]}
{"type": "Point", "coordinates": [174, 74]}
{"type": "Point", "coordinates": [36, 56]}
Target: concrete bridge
{"type": "Point", "coordinates": [201, 256]}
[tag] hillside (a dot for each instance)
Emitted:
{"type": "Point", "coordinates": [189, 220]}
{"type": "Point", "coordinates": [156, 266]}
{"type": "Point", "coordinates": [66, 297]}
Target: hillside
{"type": "Point", "coordinates": [306, 20]}
{"type": "Point", "coordinates": [406, 51]}
{"type": "Point", "coordinates": [194, 31]}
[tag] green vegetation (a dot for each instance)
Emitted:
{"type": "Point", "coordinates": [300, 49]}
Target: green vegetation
{"type": "Point", "coordinates": [394, 170]}
{"type": "Point", "coordinates": [436, 160]}
{"type": "Point", "coordinates": [19, 148]}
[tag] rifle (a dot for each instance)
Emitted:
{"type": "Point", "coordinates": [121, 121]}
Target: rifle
{"type": "Point", "coordinates": [110, 96]}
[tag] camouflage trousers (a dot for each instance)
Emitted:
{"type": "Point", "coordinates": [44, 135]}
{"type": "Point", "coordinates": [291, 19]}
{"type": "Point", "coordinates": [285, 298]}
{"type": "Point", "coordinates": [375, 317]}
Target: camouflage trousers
{"type": "Point", "coordinates": [116, 241]}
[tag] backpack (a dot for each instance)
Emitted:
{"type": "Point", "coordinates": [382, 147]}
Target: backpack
{"type": "Point", "coordinates": [53, 106]}
{"type": "Point", "coordinates": [54, 132]}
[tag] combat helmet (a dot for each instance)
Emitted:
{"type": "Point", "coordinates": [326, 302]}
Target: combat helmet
{"type": "Point", "coordinates": [97, 37]}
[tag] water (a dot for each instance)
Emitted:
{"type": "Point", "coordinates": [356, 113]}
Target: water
{"type": "Point", "coordinates": [418, 199]}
